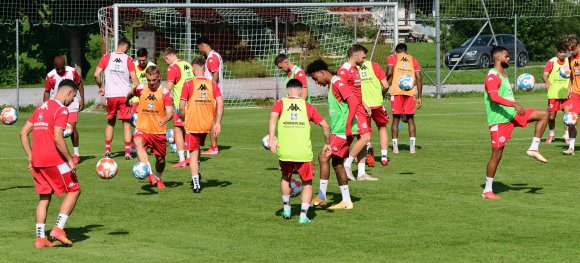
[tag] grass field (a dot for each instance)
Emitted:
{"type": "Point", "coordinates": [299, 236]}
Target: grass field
{"type": "Point", "coordinates": [426, 207]}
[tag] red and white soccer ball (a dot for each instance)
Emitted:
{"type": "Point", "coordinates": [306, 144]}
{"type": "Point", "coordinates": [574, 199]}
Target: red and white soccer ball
{"type": "Point", "coordinates": [9, 116]}
{"type": "Point", "coordinates": [565, 71]}
{"type": "Point", "coordinates": [296, 187]}
{"type": "Point", "coordinates": [67, 131]}
{"type": "Point", "coordinates": [570, 119]}
{"type": "Point", "coordinates": [106, 168]}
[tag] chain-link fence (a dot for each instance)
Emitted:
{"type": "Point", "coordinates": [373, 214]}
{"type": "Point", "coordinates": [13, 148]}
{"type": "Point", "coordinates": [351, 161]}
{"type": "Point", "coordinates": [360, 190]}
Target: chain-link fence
{"type": "Point", "coordinates": [450, 38]}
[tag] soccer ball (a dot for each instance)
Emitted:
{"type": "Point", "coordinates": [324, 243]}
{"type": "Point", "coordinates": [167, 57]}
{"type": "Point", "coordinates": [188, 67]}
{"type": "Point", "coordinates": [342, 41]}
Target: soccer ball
{"type": "Point", "coordinates": [141, 170]}
{"type": "Point", "coordinates": [67, 131]}
{"type": "Point", "coordinates": [134, 120]}
{"type": "Point", "coordinates": [526, 82]}
{"type": "Point", "coordinates": [570, 119]}
{"type": "Point", "coordinates": [406, 82]}
{"type": "Point", "coordinates": [266, 142]}
{"type": "Point", "coordinates": [170, 137]}
{"type": "Point", "coordinates": [565, 71]}
{"type": "Point", "coordinates": [9, 116]}
{"type": "Point", "coordinates": [296, 187]}
{"type": "Point", "coordinates": [173, 148]}
{"type": "Point", "coordinates": [106, 168]}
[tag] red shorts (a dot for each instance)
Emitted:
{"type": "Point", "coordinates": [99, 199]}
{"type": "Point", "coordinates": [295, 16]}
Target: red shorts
{"type": "Point", "coordinates": [379, 115]}
{"type": "Point", "coordinates": [340, 144]}
{"type": "Point", "coordinates": [573, 102]}
{"type": "Point", "coordinates": [55, 179]}
{"type": "Point", "coordinates": [194, 140]}
{"type": "Point", "coordinates": [134, 107]}
{"type": "Point", "coordinates": [305, 169]}
{"type": "Point", "coordinates": [556, 104]}
{"type": "Point", "coordinates": [176, 120]}
{"type": "Point", "coordinates": [73, 117]}
{"type": "Point", "coordinates": [156, 142]}
{"type": "Point", "coordinates": [364, 126]}
{"type": "Point", "coordinates": [502, 132]}
{"type": "Point", "coordinates": [401, 104]}
{"type": "Point", "coordinates": [116, 106]}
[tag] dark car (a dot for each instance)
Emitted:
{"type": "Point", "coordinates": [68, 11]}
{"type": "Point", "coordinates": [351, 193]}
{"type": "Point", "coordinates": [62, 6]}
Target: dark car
{"type": "Point", "coordinates": [479, 54]}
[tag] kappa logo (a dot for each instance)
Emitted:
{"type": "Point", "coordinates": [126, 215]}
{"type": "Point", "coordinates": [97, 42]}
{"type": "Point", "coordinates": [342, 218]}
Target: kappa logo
{"type": "Point", "coordinates": [151, 97]}
{"type": "Point", "coordinates": [186, 67]}
{"type": "Point", "coordinates": [202, 87]}
{"type": "Point", "coordinates": [576, 64]}
{"type": "Point", "coordinates": [340, 84]}
{"type": "Point", "coordinates": [404, 59]}
{"type": "Point", "coordinates": [293, 107]}
{"type": "Point", "coordinates": [117, 60]}
{"type": "Point", "coordinates": [363, 67]}
{"type": "Point", "coordinates": [44, 106]}
{"type": "Point", "coordinates": [142, 75]}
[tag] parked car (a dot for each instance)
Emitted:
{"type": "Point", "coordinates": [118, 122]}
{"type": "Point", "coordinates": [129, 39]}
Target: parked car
{"type": "Point", "coordinates": [479, 54]}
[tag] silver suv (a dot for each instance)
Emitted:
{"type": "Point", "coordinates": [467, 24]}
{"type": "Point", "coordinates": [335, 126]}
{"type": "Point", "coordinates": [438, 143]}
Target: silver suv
{"type": "Point", "coordinates": [479, 54]}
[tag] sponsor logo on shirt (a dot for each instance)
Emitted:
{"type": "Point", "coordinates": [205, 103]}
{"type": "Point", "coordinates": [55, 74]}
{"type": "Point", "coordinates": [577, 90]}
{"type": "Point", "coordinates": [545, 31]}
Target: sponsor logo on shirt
{"type": "Point", "coordinates": [203, 95]}
{"type": "Point", "coordinates": [40, 116]}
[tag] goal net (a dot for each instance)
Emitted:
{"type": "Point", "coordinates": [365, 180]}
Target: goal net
{"type": "Point", "coordinates": [248, 38]}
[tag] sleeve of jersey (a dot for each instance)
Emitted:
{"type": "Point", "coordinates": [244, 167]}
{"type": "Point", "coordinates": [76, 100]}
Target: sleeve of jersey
{"type": "Point", "coordinates": [104, 61]}
{"type": "Point", "coordinates": [277, 107]}
{"type": "Point", "coordinates": [76, 77]}
{"type": "Point", "coordinates": [167, 98]}
{"type": "Point", "coordinates": [392, 60]}
{"type": "Point", "coordinates": [137, 91]}
{"type": "Point", "coordinates": [353, 104]}
{"type": "Point", "coordinates": [313, 114]}
{"type": "Point", "coordinates": [492, 84]}
{"type": "Point", "coordinates": [61, 118]}
{"type": "Point", "coordinates": [341, 92]}
{"type": "Point", "coordinates": [300, 75]}
{"type": "Point", "coordinates": [130, 64]}
{"type": "Point", "coordinates": [48, 83]}
{"type": "Point", "coordinates": [185, 93]}
{"type": "Point", "coordinates": [549, 66]}
{"type": "Point", "coordinates": [379, 71]}
{"type": "Point", "coordinates": [213, 64]}
{"type": "Point", "coordinates": [416, 64]}
{"type": "Point", "coordinates": [343, 74]}
{"type": "Point", "coordinates": [216, 90]}
{"type": "Point", "coordinates": [33, 117]}
{"type": "Point", "coordinates": [172, 74]}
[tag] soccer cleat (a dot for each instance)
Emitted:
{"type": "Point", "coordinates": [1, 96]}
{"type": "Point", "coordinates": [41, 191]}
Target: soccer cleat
{"type": "Point", "coordinates": [317, 201]}
{"type": "Point", "coordinates": [490, 195]}
{"type": "Point", "coordinates": [152, 179]}
{"type": "Point", "coordinates": [286, 213]}
{"type": "Point", "coordinates": [76, 159]}
{"type": "Point", "coordinates": [304, 220]}
{"type": "Point", "coordinates": [395, 148]}
{"type": "Point", "coordinates": [550, 139]}
{"type": "Point", "coordinates": [197, 190]}
{"type": "Point", "coordinates": [385, 161]}
{"type": "Point", "coordinates": [43, 242]}
{"type": "Point", "coordinates": [366, 177]}
{"type": "Point", "coordinates": [349, 174]}
{"type": "Point", "coordinates": [128, 156]}
{"type": "Point", "coordinates": [570, 151]}
{"type": "Point", "coordinates": [58, 233]}
{"type": "Point", "coordinates": [107, 154]}
{"type": "Point", "coordinates": [370, 160]}
{"type": "Point", "coordinates": [181, 164]}
{"type": "Point", "coordinates": [341, 205]}
{"type": "Point", "coordinates": [211, 151]}
{"type": "Point", "coordinates": [536, 155]}
{"type": "Point", "coordinates": [187, 161]}
{"type": "Point", "coordinates": [160, 184]}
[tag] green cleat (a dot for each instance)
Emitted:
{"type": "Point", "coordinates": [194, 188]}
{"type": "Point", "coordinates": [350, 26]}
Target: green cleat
{"type": "Point", "coordinates": [286, 214]}
{"type": "Point", "coordinates": [304, 220]}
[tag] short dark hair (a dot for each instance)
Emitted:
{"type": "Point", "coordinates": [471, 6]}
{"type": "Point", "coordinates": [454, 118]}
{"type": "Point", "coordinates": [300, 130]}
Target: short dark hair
{"type": "Point", "coordinates": [401, 47]}
{"type": "Point", "coordinates": [68, 83]}
{"type": "Point", "coordinates": [200, 61]}
{"type": "Point", "coordinates": [294, 84]}
{"type": "Point", "coordinates": [280, 58]}
{"type": "Point", "coordinates": [572, 40]}
{"type": "Point", "coordinates": [497, 49]}
{"type": "Point", "coordinates": [170, 51]}
{"type": "Point", "coordinates": [315, 66]}
{"type": "Point", "coordinates": [356, 48]}
{"type": "Point", "coordinates": [142, 52]}
{"type": "Point", "coordinates": [203, 40]}
{"type": "Point", "coordinates": [124, 41]}
{"type": "Point", "coordinates": [153, 70]}
{"type": "Point", "coordinates": [561, 46]}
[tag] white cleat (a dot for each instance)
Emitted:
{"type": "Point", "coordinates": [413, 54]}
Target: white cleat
{"type": "Point", "coordinates": [366, 177]}
{"type": "Point", "coordinates": [349, 174]}
{"type": "Point", "coordinates": [536, 155]}
{"type": "Point", "coordinates": [569, 152]}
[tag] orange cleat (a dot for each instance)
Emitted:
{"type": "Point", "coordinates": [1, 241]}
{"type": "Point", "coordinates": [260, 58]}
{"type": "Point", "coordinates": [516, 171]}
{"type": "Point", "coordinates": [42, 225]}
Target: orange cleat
{"type": "Point", "coordinates": [385, 161]}
{"type": "Point", "coordinates": [550, 139]}
{"type": "Point", "coordinates": [181, 164]}
{"type": "Point", "coordinates": [370, 160]}
{"type": "Point", "coordinates": [58, 233]}
{"type": "Point", "coordinates": [43, 242]}
{"type": "Point", "coordinates": [152, 179]}
{"type": "Point", "coordinates": [212, 151]}
{"type": "Point", "coordinates": [490, 195]}
{"type": "Point", "coordinates": [76, 159]}
{"type": "Point", "coordinates": [160, 184]}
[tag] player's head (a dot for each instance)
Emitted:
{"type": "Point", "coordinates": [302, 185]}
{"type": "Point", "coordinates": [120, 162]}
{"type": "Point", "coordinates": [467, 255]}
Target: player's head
{"type": "Point", "coordinates": [500, 56]}
{"type": "Point", "coordinates": [198, 66]}
{"type": "Point", "coordinates": [573, 44]}
{"type": "Point", "coordinates": [357, 53]}
{"type": "Point", "coordinates": [561, 50]}
{"type": "Point", "coordinates": [153, 77]}
{"type": "Point", "coordinates": [294, 87]}
{"type": "Point", "coordinates": [204, 45]}
{"type": "Point", "coordinates": [170, 55]}
{"type": "Point", "coordinates": [59, 64]}
{"type": "Point", "coordinates": [124, 44]}
{"type": "Point", "coordinates": [282, 62]}
{"type": "Point", "coordinates": [318, 71]}
{"type": "Point", "coordinates": [67, 90]}
{"type": "Point", "coordinates": [401, 48]}
{"type": "Point", "coordinates": [142, 55]}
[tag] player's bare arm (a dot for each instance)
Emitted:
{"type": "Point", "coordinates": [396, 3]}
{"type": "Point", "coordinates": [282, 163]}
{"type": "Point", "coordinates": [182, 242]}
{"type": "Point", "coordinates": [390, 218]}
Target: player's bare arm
{"type": "Point", "coordinates": [390, 69]}
{"type": "Point", "coordinates": [419, 79]}
{"type": "Point", "coordinates": [304, 93]}
{"type": "Point", "coordinates": [81, 96]}
{"type": "Point", "coordinates": [46, 95]}
{"type": "Point", "coordinates": [25, 141]}
{"type": "Point", "coordinates": [168, 116]}
{"type": "Point", "coordinates": [181, 110]}
{"type": "Point", "coordinates": [326, 131]}
{"type": "Point", "coordinates": [169, 85]}
{"type": "Point", "coordinates": [97, 76]}
{"type": "Point", "coordinates": [130, 95]}
{"type": "Point", "coordinates": [218, 118]}
{"type": "Point", "coordinates": [546, 80]}
{"type": "Point", "coordinates": [134, 78]}
{"type": "Point", "coordinates": [272, 131]}
{"type": "Point", "coordinates": [215, 76]}
{"type": "Point", "coordinates": [62, 148]}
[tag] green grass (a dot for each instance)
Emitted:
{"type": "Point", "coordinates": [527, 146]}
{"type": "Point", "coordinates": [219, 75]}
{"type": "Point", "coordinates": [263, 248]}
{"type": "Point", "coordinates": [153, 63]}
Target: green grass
{"type": "Point", "coordinates": [425, 207]}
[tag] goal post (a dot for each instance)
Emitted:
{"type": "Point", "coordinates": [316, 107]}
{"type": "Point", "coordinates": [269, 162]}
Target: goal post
{"type": "Point", "coordinates": [249, 36]}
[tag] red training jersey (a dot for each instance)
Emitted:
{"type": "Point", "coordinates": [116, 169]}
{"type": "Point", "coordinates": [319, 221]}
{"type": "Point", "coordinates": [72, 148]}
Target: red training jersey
{"type": "Point", "coordinates": [50, 115]}
{"type": "Point", "coordinates": [351, 76]}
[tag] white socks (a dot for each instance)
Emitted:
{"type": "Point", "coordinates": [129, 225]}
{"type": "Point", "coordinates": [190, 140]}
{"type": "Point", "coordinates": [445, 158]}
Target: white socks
{"type": "Point", "coordinates": [61, 220]}
{"type": "Point", "coordinates": [345, 193]}
{"type": "Point", "coordinates": [566, 134]}
{"type": "Point", "coordinates": [76, 151]}
{"type": "Point", "coordinates": [304, 209]}
{"type": "Point", "coordinates": [195, 179]}
{"type": "Point", "coordinates": [488, 184]}
{"type": "Point", "coordinates": [286, 201]}
{"type": "Point", "coordinates": [40, 231]}
{"type": "Point", "coordinates": [384, 153]}
{"type": "Point", "coordinates": [348, 162]}
{"type": "Point", "coordinates": [187, 154]}
{"type": "Point", "coordinates": [412, 142]}
{"type": "Point", "coordinates": [552, 133]}
{"type": "Point", "coordinates": [535, 144]}
{"type": "Point", "coordinates": [572, 142]}
{"type": "Point", "coordinates": [361, 169]}
{"type": "Point", "coordinates": [322, 190]}
{"type": "Point", "coordinates": [181, 155]}
{"type": "Point", "coordinates": [395, 143]}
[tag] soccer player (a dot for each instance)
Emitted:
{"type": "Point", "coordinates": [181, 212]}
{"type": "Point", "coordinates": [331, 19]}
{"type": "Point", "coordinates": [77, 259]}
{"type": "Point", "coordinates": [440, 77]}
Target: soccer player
{"type": "Point", "coordinates": [292, 116]}
{"type": "Point", "coordinates": [214, 70]}
{"type": "Point", "coordinates": [557, 87]}
{"type": "Point", "coordinates": [201, 107]}
{"type": "Point", "coordinates": [53, 78]}
{"type": "Point", "coordinates": [179, 75]}
{"type": "Point", "coordinates": [573, 102]}
{"type": "Point", "coordinates": [403, 102]}
{"type": "Point", "coordinates": [503, 114]}
{"type": "Point", "coordinates": [155, 110]}
{"type": "Point", "coordinates": [141, 66]}
{"type": "Point", "coordinates": [350, 74]}
{"type": "Point", "coordinates": [294, 72]}
{"type": "Point", "coordinates": [374, 85]}
{"type": "Point", "coordinates": [341, 102]}
{"type": "Point", "coordinates": [119, 72]}
{"type": "Point", "coordinates": [50, 162]}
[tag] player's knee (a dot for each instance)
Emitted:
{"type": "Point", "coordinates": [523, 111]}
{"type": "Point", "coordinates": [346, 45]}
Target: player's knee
{"type": "Point", "coordinates": [307, 183]}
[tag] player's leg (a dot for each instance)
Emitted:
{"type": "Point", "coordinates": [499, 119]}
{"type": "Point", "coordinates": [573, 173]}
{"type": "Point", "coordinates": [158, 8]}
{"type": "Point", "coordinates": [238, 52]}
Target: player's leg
{"type": "Point", "coordinates": [75, 142]}
{"type": "Point", "coordinates": [159, 168]}
{"type": "Point", "coordinates": [41, 211]}
{"type": "Point", "coordinates": [179, 134]}
{"type": "Point", "coordinates": [492, 164]}
{"type": "Point", "coordinates": [412, 132]}
{"type": "Point", "coordinates": [66, 208]}
{"type": "Point", "coordinates": [541, 119]}
{"type": "Point", "coordinates": [571, 133]}
{"type": "Point", "coordinates": [306, 199]}
{"type": "Point", "coordinates": [342, 179]}
{"type": "Point", "coordinates": [355, 149]}
{"type": "Point", "coordinates": [551, 125]}
{"type": "Point", "coordinates": [109, 130]}
{"type": "Point", "coordinates": [63, 180]}
{"type": "Point", "coordinates": [361, 173]}
{"type": "Point", "coordinates": [159, 149]}
{"type": "Point", "coordinates": [324, 163]}
{"type": "Point", "coordinates": [213, 149]}
{"type": "Point", "coordinates": [127, 134]}
{"type": "Point", "coordinates": [285, 188]}
{"type": "Point", "coordinates": [395, 132]}
{"type": "Point", "coordinates": [384, 142]}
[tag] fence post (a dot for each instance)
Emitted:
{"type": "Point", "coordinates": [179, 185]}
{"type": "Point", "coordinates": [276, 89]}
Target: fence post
{"type": "Point", "coordinates": [437, 50]}
{"type": "Point", "coordinates": [17, 65]}
{"type": "Point", "coordinates": [355, 27]}
{"type": "Point", "coordinates": [515, 48]}
{"type": "Point", "coordinates": [276, 70]}
{"type": "Point", "coordinates": [188, 34]}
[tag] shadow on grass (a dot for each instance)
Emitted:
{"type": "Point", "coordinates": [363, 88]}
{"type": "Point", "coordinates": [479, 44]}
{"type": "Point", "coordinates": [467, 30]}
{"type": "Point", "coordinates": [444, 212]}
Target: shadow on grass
{"type": "Point", "coordinates": [119, 232]}
{"type": "Point", "coordinates": [215, 183]}
{"type": "Point", "coordinates": [406, 147]}
{"type": "Point", "coordinates": [406, 173]}
{"type": "Point", "coordinates": [151, 190]}
{"type": "Point", "coordinates": [78, 234]}
{"type": "Point", "coordinates": [272, 169]}
{"type": "Point", "coordinates": [16, 187]}
{"type": "Point", "coordinates": [86, 157]}
{"type": "Point", "coordinates": [499, 187]}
